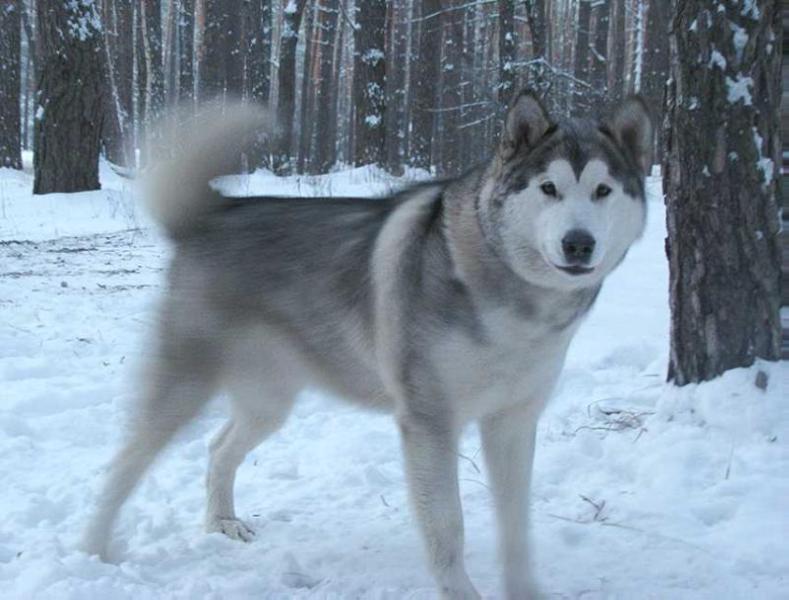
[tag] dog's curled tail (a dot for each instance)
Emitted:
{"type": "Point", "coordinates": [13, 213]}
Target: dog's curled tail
{"type": "Point", "coordinates": [189, 151]}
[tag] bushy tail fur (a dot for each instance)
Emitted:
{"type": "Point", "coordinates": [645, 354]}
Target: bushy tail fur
{"type": "Point", "coordinates": [188, 152]}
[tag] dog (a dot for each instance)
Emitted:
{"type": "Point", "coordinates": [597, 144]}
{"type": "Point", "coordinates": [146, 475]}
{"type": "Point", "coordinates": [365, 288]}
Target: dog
{"type": "Point", "coordinates": [447, 303]}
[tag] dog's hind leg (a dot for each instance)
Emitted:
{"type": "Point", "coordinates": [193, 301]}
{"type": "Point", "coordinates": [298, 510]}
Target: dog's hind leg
{"type": "Point", "coordinates": [259, 409]}
{"type": "Point", "coordinates": [182, 380]}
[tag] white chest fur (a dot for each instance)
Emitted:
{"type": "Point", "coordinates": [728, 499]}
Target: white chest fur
{"type": "Point", "coordinates": [519, 361]}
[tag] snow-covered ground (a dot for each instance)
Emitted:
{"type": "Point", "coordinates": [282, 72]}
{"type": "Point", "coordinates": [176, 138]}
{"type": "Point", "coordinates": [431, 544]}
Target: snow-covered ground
{"type": "Point", "coordinates": [640, 490]}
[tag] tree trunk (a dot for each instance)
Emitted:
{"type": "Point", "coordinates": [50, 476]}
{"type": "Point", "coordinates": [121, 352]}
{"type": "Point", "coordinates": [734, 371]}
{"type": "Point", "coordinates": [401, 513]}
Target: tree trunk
{"type": "Point", "coordinates": [70, 89]}
{"type": "Point", "coordinates": [616, 63]}
{"type": "Point", "coordinates": [10, 84]}
{"type": "Point", "coordinates": [221, 67]}
{"type": "Point", "coordinates": [450, 163]}
{"type": "Point", "coordinates": [326, 90]}
{"type": "Point", "coordinates": [598, 77]}
{"type": "Point", "coordinates": [286, 80]}
{"type": "Point", "coordinates": [186, 32]}
{"type": "Point", "coordinates": [581, 98]}
{"type": "Point", "coordinates": [656, 62]}
{"type": "Point", "coordinates": [721, 180]}
{"type": "Point", "coordinates": [424, 76]}
{"type": "Point", "coordinates": [151, 31]}
{"type": "Point", "coordinates": [508, 52]}
{"type": "Point", "coordinates": [257, 70]}
{"type": "Point", "coordinates": [538, 28]}
{"type": "Point", "coordinates": [369, 83]}
{"type": "Point", "coordinates": [396, 66]}
{"type": "Point", "coordinates": [308, 79]}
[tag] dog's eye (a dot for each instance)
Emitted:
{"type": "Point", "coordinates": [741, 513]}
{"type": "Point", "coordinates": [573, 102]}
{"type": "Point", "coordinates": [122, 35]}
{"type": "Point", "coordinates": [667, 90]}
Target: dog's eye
{"type": "Point", "coordinates": [548, 189]}
{"type": "Point", "coordinates": [602, 191]}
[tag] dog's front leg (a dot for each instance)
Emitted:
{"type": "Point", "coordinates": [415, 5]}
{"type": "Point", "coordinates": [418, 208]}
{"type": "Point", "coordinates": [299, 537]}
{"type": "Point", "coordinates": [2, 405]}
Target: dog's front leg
{"type": "Point", "coordinates": [430, 448]}
{"type": "Point", "coordinates": [508, 444]}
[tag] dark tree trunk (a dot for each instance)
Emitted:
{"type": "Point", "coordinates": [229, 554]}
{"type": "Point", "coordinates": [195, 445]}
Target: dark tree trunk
{"type": "Point", "coordinates": [424, 75]}
{"type": "Point", "coordinates": [257, 72]}
{"type": "Point", "coordinates": [598, 76]}
{"type": "Point", "coordinates": [538, 28]}
{"type": "Point", "coordinates": [450, 163]}
{"type": "Point", "coordinates": [721, 181]}
{"type": "Point", "coordinates": [69, 97]}
{"type": "Point", "coordinates": [10, 84]}
{"type": "Point", "coordinates": [308, 79]}
{"type": "Point", "coordinates": [582, 55]}
{"type": "Point", "coordinates": [508, 52]}
{"type": "Point", "coordinates": [369, 83]}
{"type": "Point", "coordinates": [151, 33]}
{"type": "Point", "coordinates": [655, 66]}
{"type": "Point", "coordinates": [186, 32]}
{"type": "Point", "coordinates": [396, 62]}
{"type": "Point", "coordinates": [286, 79]}
{"type": "Point", "coordinates": [116, 133]}
{"type": "Point", "coordinates": [221, 67]}
{"type": "Point", "coordinates": [326, 90]}
{"type": "Point", "coordinates": [616, 62]}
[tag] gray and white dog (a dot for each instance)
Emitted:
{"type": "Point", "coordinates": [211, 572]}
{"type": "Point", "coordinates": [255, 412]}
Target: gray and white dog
{"type": "Point", "coordinates": [446, 303]}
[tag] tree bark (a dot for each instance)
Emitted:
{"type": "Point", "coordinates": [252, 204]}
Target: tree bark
{"type": "Point", "coordinates": [423, 77]}
{"type": "Point", "coordinates": [70, 96]}
{"type": "Point", "coordinates": [326, 90]}
{"type": "Point", "coordinates": [508, 52]}
{"type": "Point", "coordinates": [450, 163]}
{"type": "Point", "coordinates": [286, 80]}
{"type": "Point", "coordinates": [656, 65]}
{"type": "Point", "coordinates": [598, 77]}
{"type": "Point", "coordinates": [186, 32]}
{"type": "Point", "coordinates": [618, 43]}
{"type": "Point", "coordinates": [369, 83]}
{"type": "Point", "coordinates": [221, 67]}
{"type": "Point", "coordinates": [721, 181]}
{"type": "Point", "coordinates": [538, 28]}
{"type": "Point", "coordinates": [10, 84]}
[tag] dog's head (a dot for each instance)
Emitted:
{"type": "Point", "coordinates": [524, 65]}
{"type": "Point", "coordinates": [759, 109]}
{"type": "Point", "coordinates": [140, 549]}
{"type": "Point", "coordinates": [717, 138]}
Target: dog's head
{"type": "Point", "coordinates": [563, 201]}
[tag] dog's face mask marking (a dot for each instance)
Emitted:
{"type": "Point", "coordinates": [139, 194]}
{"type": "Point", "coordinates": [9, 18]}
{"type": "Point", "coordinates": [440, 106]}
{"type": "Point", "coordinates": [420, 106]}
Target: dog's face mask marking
{"type": "Point", "coordinates": [567, 200]}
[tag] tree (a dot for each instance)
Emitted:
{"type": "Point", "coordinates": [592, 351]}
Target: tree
{"type": "Point", "coordinates": [721, 181]}
{"type": "Point", "coordinates": [116, 133]}
{"type": "Point", "coordinates": [599, 73]}
{"type": "Point", "coordinates": [70, 96]}
{"type": "Point", "coordinates": [452, 60]}
{"type": "Point", "coordinates": [221, 67]}
{"type": "Point", "coordinates": [286, 80]}
{"type": "Point", "coordinates": [616, 61]}
{"type": "Point", "coordinates": [423, 77]}
{"type": "Point", "coordinates": [508, 52]}
{"type": "Point", "coordinates": [10, 84]}
{"type": "Point", "coordinates": [186, 32]}
{"type": "Point", "coordinates": [325, 150]}
{"type": "Point", "coordinates": [369, 83]}
{"type": "Point", "coordinates": [656, 66]}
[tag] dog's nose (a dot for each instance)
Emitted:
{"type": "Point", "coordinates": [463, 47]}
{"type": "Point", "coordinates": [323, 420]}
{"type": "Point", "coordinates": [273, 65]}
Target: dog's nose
{"type": "Point", "coordinates": [578, 246]}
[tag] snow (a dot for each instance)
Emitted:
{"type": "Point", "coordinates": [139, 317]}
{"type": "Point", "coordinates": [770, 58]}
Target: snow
{"type": "Point", "coordinates": [717, 60]}
{"type": "Point", "coordinates": [763, 163]}
{"type": "Point", "coordinates": [739, 88]}
{"type": "Point", "coordinates": [740, 38]}
{"type": "Point", "coordinates": [640, 490]}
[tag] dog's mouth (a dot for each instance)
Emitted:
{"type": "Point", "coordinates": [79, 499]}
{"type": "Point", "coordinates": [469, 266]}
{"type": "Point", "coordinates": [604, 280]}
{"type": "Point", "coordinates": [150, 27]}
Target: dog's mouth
{"type": "Point", "coordinates": [575, 270]}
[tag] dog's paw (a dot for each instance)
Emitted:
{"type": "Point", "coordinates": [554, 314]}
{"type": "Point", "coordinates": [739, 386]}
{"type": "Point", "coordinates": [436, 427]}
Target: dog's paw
{"type": "Point", "coordinates": [235, 529]}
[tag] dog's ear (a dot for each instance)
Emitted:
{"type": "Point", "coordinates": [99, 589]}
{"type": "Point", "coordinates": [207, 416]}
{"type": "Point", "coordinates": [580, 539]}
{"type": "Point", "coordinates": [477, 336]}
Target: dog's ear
{"type": "Point", "coordinates": [631, 126]}
{"type": "Point", "coordinates": [526, 123]}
